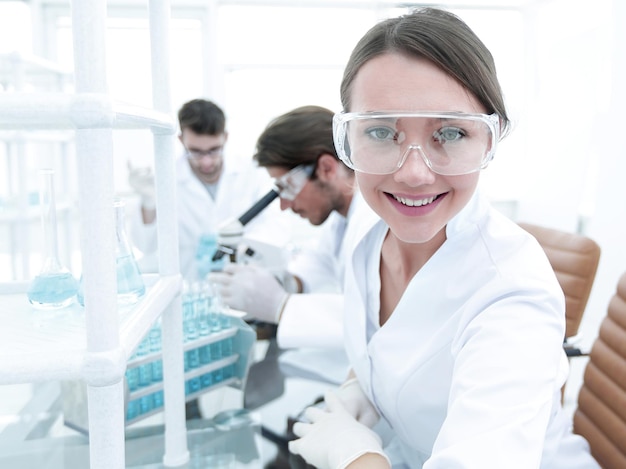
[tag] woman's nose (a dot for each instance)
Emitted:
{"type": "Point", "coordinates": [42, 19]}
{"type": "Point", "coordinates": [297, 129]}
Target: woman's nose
{"type": "Point", "coordinates": [413, 167]}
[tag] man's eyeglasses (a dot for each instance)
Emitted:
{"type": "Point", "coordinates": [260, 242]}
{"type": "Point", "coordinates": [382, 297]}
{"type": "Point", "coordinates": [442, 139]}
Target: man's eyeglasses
{"type": "Point", "coordinates": [450, 143]}
{"type": "Point", "coordinates": [199, 154]}
{"type": "Point", "coordinates": [290, 184]}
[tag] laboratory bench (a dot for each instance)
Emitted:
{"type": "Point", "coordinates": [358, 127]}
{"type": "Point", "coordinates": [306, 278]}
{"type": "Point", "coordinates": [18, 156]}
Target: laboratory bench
{"type": "Point", "coordinates": [249, 429]}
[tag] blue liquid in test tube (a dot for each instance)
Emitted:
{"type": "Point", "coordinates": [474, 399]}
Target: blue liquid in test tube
{"type": "Point", "coordinates": [190, 330]}
{"type": "Point", "coordinates": [158, 399]}
{"type": "Point", "coordinates": [133, 409]}
{"type": "Point", "coordinates": [145, 370]}
{"type": "Point", "coordinates": [154, 338]}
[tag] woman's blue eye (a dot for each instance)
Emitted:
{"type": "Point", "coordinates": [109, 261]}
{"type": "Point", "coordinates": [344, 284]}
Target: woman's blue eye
{"type": "Point", "coordinates": [448, 134]}
{"type": "Point", "coordinates": [381, 133]}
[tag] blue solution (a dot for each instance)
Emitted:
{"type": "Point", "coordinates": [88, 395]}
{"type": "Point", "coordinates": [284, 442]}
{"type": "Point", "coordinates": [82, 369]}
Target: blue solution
{"type": "Point", "coordinates": [145, 370]}
{"type": "Point", "coordinates": [157, 371]}
{"type": "Point", "coordinates": [216, 350]}
{"type": "Point", "coordinates": [207, 246]}
{"type": "Point", "coordinates": [218, 375]}
{"type": "Point", "coordinates": [205, 354]}
{"type": "Point", "coordinates": [146, 404]}
{"type": "Point", "coordinates": [80, 293]}
{"type": "Point", "coordinates": [227, 344]}
{"type": "Point", "coordinates": [130, 286]}
{"type": "Point", "coordinates": [229, 371]}
{"type": "Point", "coordinates": [216, 354]}
{"type": "Point", "coordinates": [158, 399]}
{"type": "Point", "coordinates": [145, 374]}
{"type": "Point", "coordinates": [190, 331]}
{"type": "Point", "coordinates": [202, 307]}
{"type": "Point", "coordinates": [52, 290]}
{"type": "Point", "coordinates": [132, 378]}
{"type": "Point", "coordinates": [154, 338]}
{"type": "Point", "coordinates": [227, 347]}
{"type": "Point", "coordinates": [133, 409]}
{"type": "Point", "coordinates": [206, 380]}
{"type": "Point", "coordinates": [194, 384]}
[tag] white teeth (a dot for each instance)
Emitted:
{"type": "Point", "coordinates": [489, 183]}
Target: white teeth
{"type": "Point", "coordinates": [414, 203]}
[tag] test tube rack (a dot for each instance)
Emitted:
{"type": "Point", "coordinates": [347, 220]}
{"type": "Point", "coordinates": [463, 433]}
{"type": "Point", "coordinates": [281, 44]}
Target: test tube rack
{"type": "Point", "coordinates": [219, 359]}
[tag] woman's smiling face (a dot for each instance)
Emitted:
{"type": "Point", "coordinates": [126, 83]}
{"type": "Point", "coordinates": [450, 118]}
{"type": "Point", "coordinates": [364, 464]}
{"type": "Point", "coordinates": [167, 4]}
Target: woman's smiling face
{"type": "Point", "coordinates": [415, 202]}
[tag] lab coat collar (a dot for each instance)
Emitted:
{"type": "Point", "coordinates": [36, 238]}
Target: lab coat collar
{"type": "Point", "coordinates": [476, 209]}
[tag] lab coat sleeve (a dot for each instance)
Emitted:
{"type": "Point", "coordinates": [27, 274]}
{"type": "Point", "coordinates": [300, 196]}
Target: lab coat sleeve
{"type": "Point", "coordinates": [503, 394]}
{"type": "Point", "coordinates": [312, 320]}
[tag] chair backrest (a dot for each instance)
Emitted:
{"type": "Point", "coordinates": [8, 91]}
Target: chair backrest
{"type": "Point", "coordinates": [601, 413]}
{"type": "Point", "coordinates": [574, 259]}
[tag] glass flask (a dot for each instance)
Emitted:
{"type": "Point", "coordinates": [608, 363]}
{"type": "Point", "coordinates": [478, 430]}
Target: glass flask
{"type": "Point", "coordinates": [54, 287]}
{"type": "Point", "coordinates": [130, 286]}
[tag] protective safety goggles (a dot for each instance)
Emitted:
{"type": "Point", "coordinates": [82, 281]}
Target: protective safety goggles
{"type": "Point", "coordinates": [290, 184]}
{"type": "Point", "coordinates": [449, 143]}
{"type": "Point", "coordinates": [200, 154]}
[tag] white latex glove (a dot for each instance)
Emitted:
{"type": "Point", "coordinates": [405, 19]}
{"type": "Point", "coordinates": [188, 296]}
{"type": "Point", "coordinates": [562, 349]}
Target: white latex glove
{"type": "Point", "coordinates": [334, 439]}
{"type": "Point", "coordinates": [141, 180]}
{"type": "Point", "coordinates": [357, 404]}
{"type": "Point", "coordinates": [251, 289]}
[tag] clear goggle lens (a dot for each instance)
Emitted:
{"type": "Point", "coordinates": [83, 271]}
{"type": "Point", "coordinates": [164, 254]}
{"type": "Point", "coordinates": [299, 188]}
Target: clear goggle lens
{"type": "Point", "coordinates": [290, 184]}
{"type": "Point", "coordinates": [449, 143]}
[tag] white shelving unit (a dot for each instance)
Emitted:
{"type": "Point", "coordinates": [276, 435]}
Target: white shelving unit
{"type": "Point", "coordinates": [95, 347]}
{"type": "Point", "coordinates": [18, 215]}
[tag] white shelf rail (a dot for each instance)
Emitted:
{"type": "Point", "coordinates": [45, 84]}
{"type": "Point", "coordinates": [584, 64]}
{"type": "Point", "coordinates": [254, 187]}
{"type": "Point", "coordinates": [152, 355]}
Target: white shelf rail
{"type": "Point", "coordinates": [93, 344]}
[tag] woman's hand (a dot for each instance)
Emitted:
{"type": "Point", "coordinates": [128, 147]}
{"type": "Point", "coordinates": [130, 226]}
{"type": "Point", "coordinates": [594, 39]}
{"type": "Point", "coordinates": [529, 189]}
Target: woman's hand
{"type": "Point", "coordinates": [334, 439]}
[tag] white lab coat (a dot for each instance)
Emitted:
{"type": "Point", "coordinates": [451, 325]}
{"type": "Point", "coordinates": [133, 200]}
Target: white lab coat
{"type": "Point", "coordinates": [468, 369]}
{"type": "Point", "coordinates": [314, 318]}
{"type": "Point", "coordinates": [240, 186]}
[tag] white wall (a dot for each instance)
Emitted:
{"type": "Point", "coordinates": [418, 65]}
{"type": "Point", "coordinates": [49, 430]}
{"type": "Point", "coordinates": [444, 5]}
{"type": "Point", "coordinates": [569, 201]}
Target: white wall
{"type": "Point", "coordinates": [607, 223]}
{"type": "Point", "coordinates": [559, 61]}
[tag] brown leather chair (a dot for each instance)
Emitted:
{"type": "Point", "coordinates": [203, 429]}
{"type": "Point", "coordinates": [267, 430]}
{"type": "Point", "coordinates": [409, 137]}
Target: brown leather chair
{"type": "Point", "coordinates": [574, 258]}
{"type": "Point", "coordinates": [601, 413]}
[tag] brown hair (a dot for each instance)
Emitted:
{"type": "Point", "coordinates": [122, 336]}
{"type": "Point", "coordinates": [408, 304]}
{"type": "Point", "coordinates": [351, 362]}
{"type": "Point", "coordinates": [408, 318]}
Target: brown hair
{"type": "Point", "coordinates": [444, 39]}
{"type": "Point", "coordinates": [300, 136]}
{"type": "Point", "coordinates": [202, 117]}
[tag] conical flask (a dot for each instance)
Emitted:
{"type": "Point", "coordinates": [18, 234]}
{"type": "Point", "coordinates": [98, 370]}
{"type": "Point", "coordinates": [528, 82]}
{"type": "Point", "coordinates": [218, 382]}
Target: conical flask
{"type": "Point", "coordinates": [54, 287]}
{"type": "Point", "coordinates": [130, 286]}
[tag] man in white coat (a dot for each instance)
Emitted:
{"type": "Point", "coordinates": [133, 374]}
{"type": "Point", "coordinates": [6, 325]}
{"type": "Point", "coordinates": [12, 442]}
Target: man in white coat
{"type": "Point", "coordinates": [210, 191]}
{"type": "Point", "coordinates": [307, 309]}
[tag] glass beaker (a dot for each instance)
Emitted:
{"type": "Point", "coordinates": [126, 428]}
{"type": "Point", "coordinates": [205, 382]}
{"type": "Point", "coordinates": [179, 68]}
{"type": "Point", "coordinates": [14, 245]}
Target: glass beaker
{"type": "Point", "coordinates": [130, 286]}
{"type": "Point", "coordinates": [54, 287]}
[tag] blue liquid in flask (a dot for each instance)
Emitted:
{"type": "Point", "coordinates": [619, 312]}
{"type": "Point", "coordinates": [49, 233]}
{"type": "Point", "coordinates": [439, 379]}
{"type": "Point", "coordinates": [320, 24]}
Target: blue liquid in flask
{"type": "Point", "coordinates": [52, 290]}
{"type": "Point", "coordinates": [130, 286]}
{"type": "Point", "coordinates": [54, 287]}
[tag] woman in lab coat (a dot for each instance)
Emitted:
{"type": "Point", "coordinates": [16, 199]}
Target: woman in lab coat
{"type": "Point", "coordinates": [454, 319]}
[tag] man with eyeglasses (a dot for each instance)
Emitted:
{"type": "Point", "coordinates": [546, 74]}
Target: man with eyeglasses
{"type": "Point", "coordinates": [210, 190]}
{"type": "Point", "coordinates": [297, 150]}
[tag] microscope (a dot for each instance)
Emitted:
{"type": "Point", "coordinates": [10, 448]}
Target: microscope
{"type": "Point", "coordinates": [230, 234]}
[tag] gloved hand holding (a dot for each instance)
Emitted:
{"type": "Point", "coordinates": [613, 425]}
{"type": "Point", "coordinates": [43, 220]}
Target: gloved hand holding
{"type": "Point", "coordinates": [252, 289]}
{"type": "Point", "coordinates": [141, 180]}
{"type": "Point", "coordinates": [357, 403]}
{"type": "Point", "coordinates": [334, 439]}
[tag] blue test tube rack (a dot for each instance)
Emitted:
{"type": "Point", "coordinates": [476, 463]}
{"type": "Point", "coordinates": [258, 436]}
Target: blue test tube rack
{"type": "Point", "coordinates": [212, 360]}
